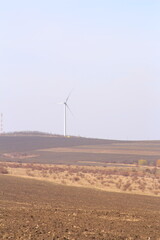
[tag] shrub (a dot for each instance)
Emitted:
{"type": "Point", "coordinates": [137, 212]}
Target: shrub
{"type": "Point", "coordinates": [29, 173]}
{"type": "Point", "coordinates": [142, 162]}
{"type": "Point", "coordinates": [125, 174]}
{"type": "Point", "coordinates": [158, 163]}
{"type": "Point", "coordinates": [126, 186]}
{"type": "Point", "coordinates": [118, 185]}
{"type": "Point", "coordinates": [142, 186]}
{"type": "Point", "coordinates": [3, 170]}
{"type": "Point", "coordinates": [63, 182]}
{"type": "Point", "coordinates": [156, 192]}
{"type": "Point", "coordinates": [154, 170]}
{"type": "Point", "coordinates": [76, 179]}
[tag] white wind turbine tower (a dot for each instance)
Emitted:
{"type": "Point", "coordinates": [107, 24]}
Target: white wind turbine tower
{"type": "Point", "coordinates": [65, 114]}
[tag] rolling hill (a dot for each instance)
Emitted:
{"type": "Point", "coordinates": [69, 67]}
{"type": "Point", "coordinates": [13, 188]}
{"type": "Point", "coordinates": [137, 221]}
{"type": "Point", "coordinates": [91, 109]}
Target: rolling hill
{"type": "Point", "coordinates": [53, 149]}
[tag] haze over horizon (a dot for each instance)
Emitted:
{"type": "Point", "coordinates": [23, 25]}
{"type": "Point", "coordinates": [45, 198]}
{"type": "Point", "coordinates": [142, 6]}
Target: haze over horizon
{"type": "Point", "coordinates": [108, 52]}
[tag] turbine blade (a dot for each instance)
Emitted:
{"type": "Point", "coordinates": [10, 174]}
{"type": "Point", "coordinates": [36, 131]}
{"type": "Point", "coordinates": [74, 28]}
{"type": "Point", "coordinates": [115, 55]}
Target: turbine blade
{"type": "Point", "coordinates": [69, 109]}
{"type": "Point", "coordinates": [69, 96]}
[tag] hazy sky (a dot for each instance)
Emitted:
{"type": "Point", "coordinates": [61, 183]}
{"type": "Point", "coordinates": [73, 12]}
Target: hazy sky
{"type": "Point", "coordinates": [107, 51]}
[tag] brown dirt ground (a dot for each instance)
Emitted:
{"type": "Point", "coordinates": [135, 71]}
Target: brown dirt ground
{"type": "Point", "coordinates": [31, 210]}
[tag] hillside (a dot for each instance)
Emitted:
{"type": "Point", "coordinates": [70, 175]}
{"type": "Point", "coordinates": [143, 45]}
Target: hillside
{"type": "Point", "coordinates": [53, 149]}
{"type": "Point", "coordinates": [86, 192]}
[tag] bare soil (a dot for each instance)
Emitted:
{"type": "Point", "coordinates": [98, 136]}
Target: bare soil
{"type": "Point", "coordinates": [31, 209]}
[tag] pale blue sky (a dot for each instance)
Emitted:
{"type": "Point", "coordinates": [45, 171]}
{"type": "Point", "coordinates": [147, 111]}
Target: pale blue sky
{"type": "Point", "coordinates": [108, 52]}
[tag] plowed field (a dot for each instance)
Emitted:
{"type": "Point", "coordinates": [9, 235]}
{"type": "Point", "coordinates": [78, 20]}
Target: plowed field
{"type": "Point", "coordinates": [37, 210]}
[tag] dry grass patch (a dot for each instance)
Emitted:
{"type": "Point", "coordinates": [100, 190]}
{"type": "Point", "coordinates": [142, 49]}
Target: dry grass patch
{"type": "Point", "coordinates": [139, 180]}
{"type": "Point", "coordinates": [102, 149]}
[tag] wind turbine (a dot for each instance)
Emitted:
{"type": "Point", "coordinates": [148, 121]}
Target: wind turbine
{"type": "Point", "coordinates": [65, 114]}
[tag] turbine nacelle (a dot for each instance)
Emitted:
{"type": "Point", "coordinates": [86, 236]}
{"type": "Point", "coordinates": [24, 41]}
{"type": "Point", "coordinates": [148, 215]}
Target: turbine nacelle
{"type": "Point", "coordinates": [65, 113]}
